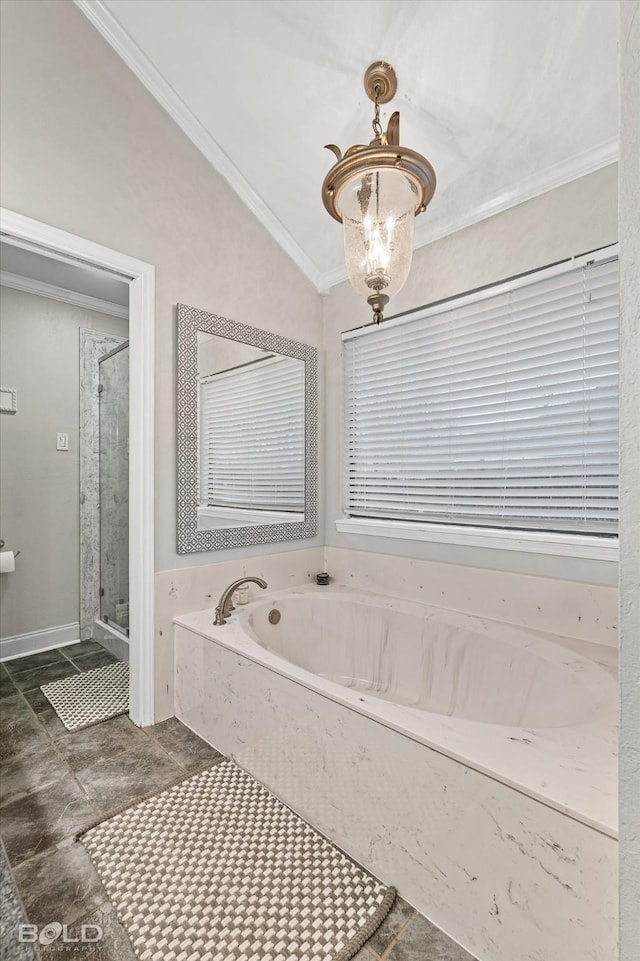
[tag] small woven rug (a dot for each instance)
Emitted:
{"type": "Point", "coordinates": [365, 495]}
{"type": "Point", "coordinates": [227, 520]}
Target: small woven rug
{"type": "Point", "coordinates": [216, 868]}
{"type": "Point", "coordinates": [90, 697]}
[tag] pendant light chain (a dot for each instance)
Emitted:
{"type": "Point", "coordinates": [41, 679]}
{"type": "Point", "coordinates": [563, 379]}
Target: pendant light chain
{"type": "Point", "coordinates": [375, 123]}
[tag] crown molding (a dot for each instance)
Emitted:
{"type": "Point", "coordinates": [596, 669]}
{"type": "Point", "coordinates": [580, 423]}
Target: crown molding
{"type": "Point", "coordinates": [41, 289]}
{"type": "Point", "coordinates": [558, 175]}
{"type": "Point", "coordinates": [126, 48]}
{"type": "Point", "coordinates": [331, 278]}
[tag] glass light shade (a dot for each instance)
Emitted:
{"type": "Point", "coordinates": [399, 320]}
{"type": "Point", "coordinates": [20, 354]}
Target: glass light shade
{"type": "Point", "coordinates": [378, 210]}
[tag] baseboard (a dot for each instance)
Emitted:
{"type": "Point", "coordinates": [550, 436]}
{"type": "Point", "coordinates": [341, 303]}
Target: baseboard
{"type": "Point", "coordinates": [22, 644]}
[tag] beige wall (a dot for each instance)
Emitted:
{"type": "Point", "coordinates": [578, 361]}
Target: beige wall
{"type": "Point", "coordinates": [40, 485]}
{"type": "Point", "coordinates": [630, 482]}
{"type": "Point", "coordinates": [86, 148]}
{"type": "Point", "coordinates": [571, 220]}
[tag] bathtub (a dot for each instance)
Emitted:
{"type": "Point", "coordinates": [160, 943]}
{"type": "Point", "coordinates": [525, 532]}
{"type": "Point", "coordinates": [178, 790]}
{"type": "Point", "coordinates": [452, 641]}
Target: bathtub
{"type": "Point", "coordinates": [466, 761]}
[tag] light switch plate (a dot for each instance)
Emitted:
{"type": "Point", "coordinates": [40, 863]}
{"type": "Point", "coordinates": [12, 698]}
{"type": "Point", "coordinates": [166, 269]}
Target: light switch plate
{"type": "Point", "coordinates": [62, 442]}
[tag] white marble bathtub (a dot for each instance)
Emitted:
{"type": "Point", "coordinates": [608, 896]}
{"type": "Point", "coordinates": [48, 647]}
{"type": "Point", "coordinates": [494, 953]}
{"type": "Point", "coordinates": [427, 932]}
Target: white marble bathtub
{"type": "Point", "coordinates": [400, 729]}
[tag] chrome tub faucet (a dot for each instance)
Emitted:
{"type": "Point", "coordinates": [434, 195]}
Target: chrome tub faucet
{"type": "Point", "coordinates": [225, 604]}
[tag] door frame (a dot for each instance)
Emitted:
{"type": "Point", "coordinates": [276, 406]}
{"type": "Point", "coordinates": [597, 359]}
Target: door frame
{"type": "Point", "coordinates": [59, 244]}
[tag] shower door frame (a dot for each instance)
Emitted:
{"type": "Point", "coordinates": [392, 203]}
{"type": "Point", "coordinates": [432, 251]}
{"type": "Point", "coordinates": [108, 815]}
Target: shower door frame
{"type": "Point", "coordinates": [58, 244]}
{"type": "Point", "coordinates": [111, 622]}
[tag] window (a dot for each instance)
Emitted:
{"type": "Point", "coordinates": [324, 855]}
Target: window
{"type": "Point", "coordinates": [496, 410]}
{"type": "Point", "coordinates": [252, 430]}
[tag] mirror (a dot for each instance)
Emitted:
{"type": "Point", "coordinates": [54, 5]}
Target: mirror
{"type": "Point", "coordinates": [247, 426]}
{"type": "Point", "coordinates": [251, 435]}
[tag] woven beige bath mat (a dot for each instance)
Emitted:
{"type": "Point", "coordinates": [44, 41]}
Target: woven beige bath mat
{"type": "Point", "coordinates": [82, 700]}
{"type": "Point", "coordinates": [218, 869]}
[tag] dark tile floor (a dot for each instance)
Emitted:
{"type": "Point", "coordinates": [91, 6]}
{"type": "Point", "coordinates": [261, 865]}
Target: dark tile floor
{"type": "Point", "coordinates": [53, 783]}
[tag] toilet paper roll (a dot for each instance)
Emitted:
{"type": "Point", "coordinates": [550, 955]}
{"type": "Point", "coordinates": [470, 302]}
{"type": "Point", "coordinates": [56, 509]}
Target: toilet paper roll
{"type": "Point", "coordinates": [7, 562]}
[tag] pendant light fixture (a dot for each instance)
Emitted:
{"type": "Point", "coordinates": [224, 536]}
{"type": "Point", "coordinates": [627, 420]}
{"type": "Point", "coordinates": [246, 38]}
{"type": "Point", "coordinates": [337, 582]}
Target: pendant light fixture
{"type": "Point", "coordinates": [376, 192]}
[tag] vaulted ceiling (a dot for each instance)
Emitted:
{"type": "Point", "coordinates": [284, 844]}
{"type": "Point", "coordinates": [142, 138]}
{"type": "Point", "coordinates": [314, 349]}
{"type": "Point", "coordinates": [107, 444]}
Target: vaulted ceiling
{"type": "Point", "coordinates": [507, 98]}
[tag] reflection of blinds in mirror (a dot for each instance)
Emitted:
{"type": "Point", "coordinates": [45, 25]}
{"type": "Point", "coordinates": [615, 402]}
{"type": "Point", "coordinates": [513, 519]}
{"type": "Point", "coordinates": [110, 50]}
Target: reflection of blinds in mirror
{"type": "Point", "coordinates": [252, 443]}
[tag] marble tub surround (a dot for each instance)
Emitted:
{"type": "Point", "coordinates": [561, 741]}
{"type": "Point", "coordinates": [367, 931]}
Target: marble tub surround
{"type": "Point", "coordinates": [518, 706]}
{"type": "Point", "coordinates": [509, 876]}
{"type": "Point", "coordinates": [575, 610]}
{"type": "Point", "coordinates": [195, 588]}
{"type": "Point", "coordinates": [563, 607]}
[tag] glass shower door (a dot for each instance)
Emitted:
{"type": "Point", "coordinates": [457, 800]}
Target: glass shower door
{"type": "Point", "coordinates": [114, 488]}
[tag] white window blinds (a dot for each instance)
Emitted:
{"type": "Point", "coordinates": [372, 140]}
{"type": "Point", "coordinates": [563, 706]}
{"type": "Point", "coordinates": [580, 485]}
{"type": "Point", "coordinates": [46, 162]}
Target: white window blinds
{"type": "Point", "coordinates": [498, 411]}
{"type": "Point", "coordinates": [252, 436]}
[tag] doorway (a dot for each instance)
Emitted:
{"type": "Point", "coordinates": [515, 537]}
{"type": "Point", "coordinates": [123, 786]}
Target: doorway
{"type": "Point", "coordinates": [135, 474]}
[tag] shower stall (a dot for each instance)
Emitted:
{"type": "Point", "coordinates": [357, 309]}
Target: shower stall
{"type": "Point", "coordinates": [111, 626]}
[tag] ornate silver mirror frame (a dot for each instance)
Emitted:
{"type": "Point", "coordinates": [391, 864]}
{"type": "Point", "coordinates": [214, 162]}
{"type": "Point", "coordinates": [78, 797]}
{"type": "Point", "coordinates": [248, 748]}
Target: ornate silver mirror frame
{"type": "Point", "coordinates": [191, 539]}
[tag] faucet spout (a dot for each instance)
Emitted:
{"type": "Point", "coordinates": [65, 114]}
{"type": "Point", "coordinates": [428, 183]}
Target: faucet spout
{"type": "Point", "coordinates": [225, 604]}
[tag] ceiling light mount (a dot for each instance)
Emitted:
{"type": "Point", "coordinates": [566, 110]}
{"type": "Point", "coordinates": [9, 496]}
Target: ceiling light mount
{"type": "Point", "coordinates": [376, 191]}
{"type": "Point", "coordinates": [380, 82]}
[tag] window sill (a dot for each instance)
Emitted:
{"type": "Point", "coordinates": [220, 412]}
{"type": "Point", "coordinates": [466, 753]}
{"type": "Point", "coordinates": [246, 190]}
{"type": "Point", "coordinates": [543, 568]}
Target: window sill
{"type": "Point", "coordinates": [535, 542]}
